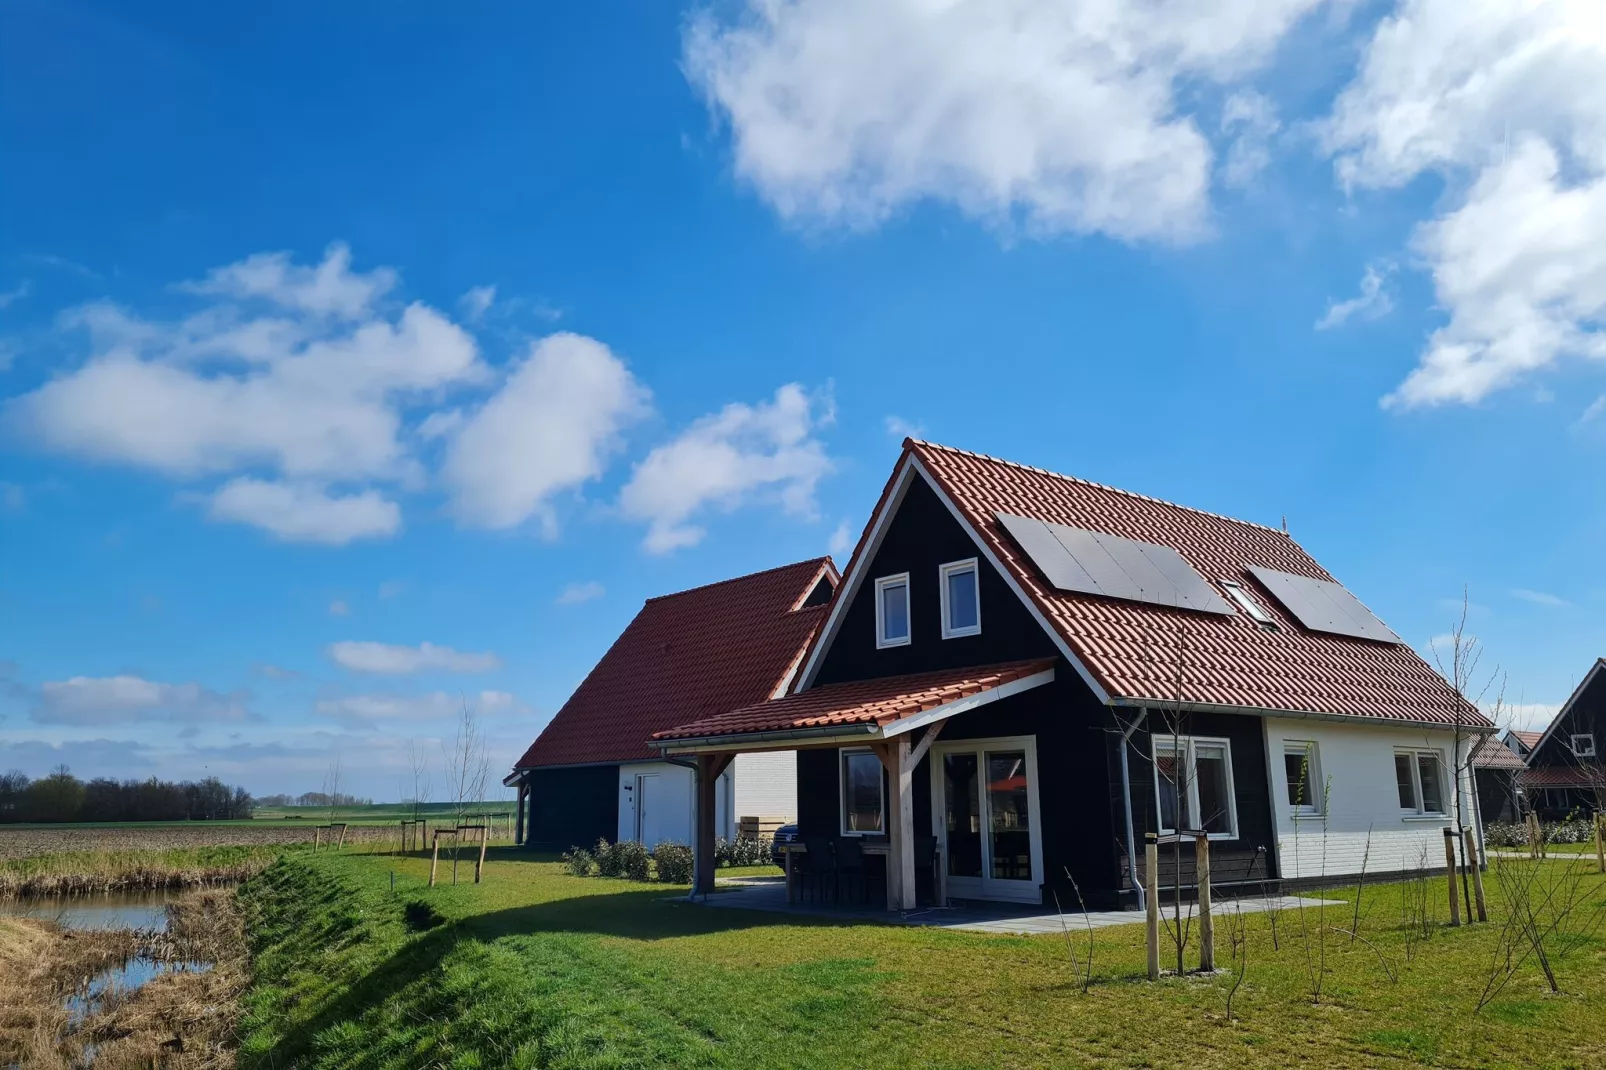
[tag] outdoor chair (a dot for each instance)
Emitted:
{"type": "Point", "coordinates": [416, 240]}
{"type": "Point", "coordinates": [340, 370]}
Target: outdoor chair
{"type": "Point", "coordinates": [850, 866]}
{"type": "Point", "coordinates": [819, 866]}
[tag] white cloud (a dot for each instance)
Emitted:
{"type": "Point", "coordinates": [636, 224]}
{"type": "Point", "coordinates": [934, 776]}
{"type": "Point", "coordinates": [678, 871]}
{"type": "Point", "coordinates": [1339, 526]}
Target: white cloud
{"type": "Point", "coordinates": [551, 428]}
{"type": "Point", "coordinates": [388, 659]}
{"type": "Point", "coordinates": [15, 294]}
{"type": "Point", "coordinates": [296, 370]}
{"type": "Point", "coordinates": [1539, 598]}
{"type": "Point", "coordinates": [367, 711]}
{"type": "Point", "coordinates": [86, 700]}
{"type": "Point", "coordinates": [477, 302]}
{"type": "Point", "coordinates": [1522, 716]}
{"type": "Point", "coordinates": [841, 540]}
{"type": "Point", "coordinates": [339, 608]}
{"type": "Point", "coordinates": [899, 428]}
{"type": "Point", "coordinates": [389, 589]}
{"type": "Point", "coordinates": [725, 460]}
{"type": "Point", "coordinates": [1372, 303]}
{"type": "Point", "coordinates": [1064, 114]}
{"type": "Point", "coordinates": [1251, 119]}
{"type": "Point", "coordinates": [1507, 100]}
{"type": "Point", "coordinates": [300, 512]}
{"type": "Point", "coordinates": [329, 289]}
{"type": "Point", "coordinates": [576, 593]}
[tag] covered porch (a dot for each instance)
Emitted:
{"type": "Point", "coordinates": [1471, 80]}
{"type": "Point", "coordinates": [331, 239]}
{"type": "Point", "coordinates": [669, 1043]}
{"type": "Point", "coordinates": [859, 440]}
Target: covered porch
{"type": "Point", "coordinates": [893, 723]}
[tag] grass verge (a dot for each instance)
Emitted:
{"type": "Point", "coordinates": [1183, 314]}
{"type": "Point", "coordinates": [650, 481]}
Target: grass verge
{"type": "Point", "coordinates": [535, 968]}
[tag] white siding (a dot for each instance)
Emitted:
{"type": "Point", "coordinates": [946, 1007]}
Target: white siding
{"type": "Point", "coordinates": [766, 784]}
{"type": "Point", "coordinates": [1356, 766]}
{"type": "Point", "coordinates": [672, 801]}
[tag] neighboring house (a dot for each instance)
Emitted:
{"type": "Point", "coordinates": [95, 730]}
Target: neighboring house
{"type": "Point", "coordinates": [1027, 672]}
{"type": "Point", "coordinates": [1566, 775]}
{"type": "Point", "coordinates": [1497, 770]}
{"type": "Point", "coordinates": [590, 774]}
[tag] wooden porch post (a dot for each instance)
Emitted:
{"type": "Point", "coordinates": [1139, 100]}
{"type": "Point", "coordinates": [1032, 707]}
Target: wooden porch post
{"type": "Point", "coordinates": [709, 767]}
{"type": "Point", "coordinates": [896, 758]}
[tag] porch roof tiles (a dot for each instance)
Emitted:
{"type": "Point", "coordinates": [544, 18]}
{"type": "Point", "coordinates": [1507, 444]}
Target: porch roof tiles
{"type": "Point", "coordinates": [1132, 649]}
{"type": "Point", "coordinates": [1563, 776]}
{"type": "Point", "coordinates": [1492, 753]}
{"type": "Point", "coordinates": [882, 701]}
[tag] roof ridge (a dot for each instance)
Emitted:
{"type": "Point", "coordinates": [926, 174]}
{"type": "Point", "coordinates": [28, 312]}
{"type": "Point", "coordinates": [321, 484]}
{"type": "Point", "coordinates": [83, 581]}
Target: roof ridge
{"type": "Point", "coordinates": [1093, 483]}
{"type": "Point", "coordinates": [817, 562]}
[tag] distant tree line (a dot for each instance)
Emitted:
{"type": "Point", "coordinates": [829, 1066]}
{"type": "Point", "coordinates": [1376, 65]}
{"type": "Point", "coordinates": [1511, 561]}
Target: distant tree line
{"type": "Point", "coordinates": [63, 797]}
{"type": "Point", "coordinates": [313, 798]}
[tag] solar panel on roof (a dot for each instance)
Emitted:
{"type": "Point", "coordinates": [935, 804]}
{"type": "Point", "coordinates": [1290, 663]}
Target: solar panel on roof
{"type": "Point", "coordinates": [1092, 562]}
{"type": "Point", "coordinates": [1323, 606]}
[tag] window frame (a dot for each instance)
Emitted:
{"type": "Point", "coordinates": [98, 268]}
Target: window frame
{"type": "Point", "coordinates": [1573, 744]}
{"type": "Point", "coordinates": [1190, 776]}
{"type": "Point", "coordinates": [1249, 604]}
{"type": "Point", "coordinates": [1446, 789]}
{"type": "Point", "coordinates": [842, 791]}
{"type": "Point", "coordinates": [1309, 750]}
{"type": "Point", "coordinates": [881, 584]}
{"type": "Point", "coordinates": [971, 565]}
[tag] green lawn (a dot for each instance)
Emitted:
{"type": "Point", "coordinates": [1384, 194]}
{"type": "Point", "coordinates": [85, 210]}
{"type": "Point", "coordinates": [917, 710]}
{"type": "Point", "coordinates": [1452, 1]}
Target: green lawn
{"type": "Point", "coordinates": [537, 968]}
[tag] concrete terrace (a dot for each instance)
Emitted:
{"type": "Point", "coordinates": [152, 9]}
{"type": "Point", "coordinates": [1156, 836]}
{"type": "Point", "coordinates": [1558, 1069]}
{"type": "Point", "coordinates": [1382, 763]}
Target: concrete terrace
{"type": "Point", "coordinates": [769, 894]}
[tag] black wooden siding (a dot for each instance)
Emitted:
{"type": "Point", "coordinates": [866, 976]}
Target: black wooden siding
{"type": "Point", "coordinates": [1588, 714]}
{"type": "Point", "coordinates": [572, 807]}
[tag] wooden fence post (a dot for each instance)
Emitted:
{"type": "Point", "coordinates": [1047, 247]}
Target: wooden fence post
{"type": "Point", "coordinates": [1450, 872]}
{"type": "Point", "coordinates": [1600, 843]}
{"type": "Point", "coordinates": [1207, 926]}
{"type": "Point", "coordinates": [434, 856]}
{"type": "Point", "coordinates": [1473, 862]}
{"type": "Point", "coordinates": [317, 837]}
{"type": "Point", "coordinates": [1151, 898]}
{"type": "Point", "coordinates": [479, 866]}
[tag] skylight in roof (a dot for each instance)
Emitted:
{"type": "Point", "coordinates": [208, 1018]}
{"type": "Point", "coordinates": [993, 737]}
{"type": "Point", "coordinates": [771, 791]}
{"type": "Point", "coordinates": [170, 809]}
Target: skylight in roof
{"type": "Point", "coordinates": [1247, 603]}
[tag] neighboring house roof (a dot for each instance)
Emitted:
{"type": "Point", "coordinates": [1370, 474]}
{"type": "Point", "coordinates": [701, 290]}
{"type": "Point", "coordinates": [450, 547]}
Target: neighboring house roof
{"type": "Point", "coordinates": [1563, 776]}
{"type": "Point", "coordinates": [686, 656]}
{"type": "Point", "coordinates": [1539, 738]}
{"type": "Point", "coordinates": [1131, 650]}
{"type": "Point", "coordinates": [1529, 740]}
{"type": "Point", "coordinates": [1492, 753]}
{"type": "Point", "coordinates": [880, 702]}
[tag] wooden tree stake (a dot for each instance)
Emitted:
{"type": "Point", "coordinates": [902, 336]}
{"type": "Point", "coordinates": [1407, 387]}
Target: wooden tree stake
{"type": "Point", "coordinates": [1151, 884]}
{"type": "Point", "coordinates": [434, 857]}
{"type": "Point", "coordinates": [1477, 875]}
{"type": "Point", "coordinates": [1450, 871]}
{"type": "Point", "coordinates": [479, 867]}
{"type": "Point", "coordinates": [317, 837]}
{"type": "Point", "coordinates": [342, 842]}
{"type": "Point", "coordinates": [1207, 925]}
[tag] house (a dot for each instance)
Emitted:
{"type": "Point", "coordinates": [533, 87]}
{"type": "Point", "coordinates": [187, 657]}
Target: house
{"type": "Point", "coordinates": [591, 774]}
{"type": "Point", "coordinates": [1022, 674]}
{"type": "Point", "coordinates": [1497, 771]}
{"type": "Point", "coordinates": [1565, 776]}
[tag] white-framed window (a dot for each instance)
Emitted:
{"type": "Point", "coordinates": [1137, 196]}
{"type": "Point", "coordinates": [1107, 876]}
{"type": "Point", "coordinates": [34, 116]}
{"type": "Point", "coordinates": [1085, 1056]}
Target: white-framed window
{"type": "Point", "coordinates": [1419, 775]}
{"type": "Point", "coordinates": [1193, 785]}
{"type": "Point", "coordinates": [892, 611]}
{"type": "Point", "coordinates": [864, 798]}
{"type": "Point", "coordinates": [1583, 744]}
{"type": "Point", "coordinates": [1303, 771]}
{"type": "Point", "coordinates": [1247, 603]}
{"type": "Point", "coordinates": [960, 587]}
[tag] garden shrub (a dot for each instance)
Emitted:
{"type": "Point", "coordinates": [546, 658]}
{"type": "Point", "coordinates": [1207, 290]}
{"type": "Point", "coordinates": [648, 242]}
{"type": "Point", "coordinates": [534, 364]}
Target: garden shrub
{"type": "Point", "coordinates": [673, 862]}
{"type": "Point", "coordinates": [1515, 833]}
{"type": "Point", "coordinates": [607, 858]}
{"type": "Point", "coordinates": [742, 852]}
{"type": "Point", "coordinates": [634, 861]}
{"type": "Point", "coordinates": [579, 861]}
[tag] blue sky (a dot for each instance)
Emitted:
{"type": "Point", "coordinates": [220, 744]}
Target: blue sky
{"type": "Point", "coordinates": [355, 365]}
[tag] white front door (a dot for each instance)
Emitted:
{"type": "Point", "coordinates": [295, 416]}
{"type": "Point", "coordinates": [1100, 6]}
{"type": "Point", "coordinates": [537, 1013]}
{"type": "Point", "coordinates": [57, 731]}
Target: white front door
{"type": "Point", "coordinates": [646, 809]}
{"type": "Point", "coordinates": [985, 814]}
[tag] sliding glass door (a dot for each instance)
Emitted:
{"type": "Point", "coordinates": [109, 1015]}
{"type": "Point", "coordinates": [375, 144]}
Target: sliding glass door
{"type": "Point", "coordinates": [985, 816]}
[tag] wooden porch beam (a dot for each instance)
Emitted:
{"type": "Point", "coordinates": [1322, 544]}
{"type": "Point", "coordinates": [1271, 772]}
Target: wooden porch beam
{"type": "Point", "coordinates": [925, 743]}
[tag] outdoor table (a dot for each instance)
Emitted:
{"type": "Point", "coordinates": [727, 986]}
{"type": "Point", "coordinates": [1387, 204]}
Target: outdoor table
{"type": "Point", "coordinates": [880, 848]}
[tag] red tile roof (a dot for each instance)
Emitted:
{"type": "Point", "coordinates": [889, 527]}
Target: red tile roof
{"type": "Point", "coordinates": [881, 701]}
{"type": "Point", "coordinates": [686, 656]}
{"type": "Point", "coordinates": [1493, 754]}
{"type": "Point", "coordinates": [1528, 739]}
{"type": "Point", "coordinates": [1563, 776]}
{"type": "Point", "coordinates": [1132, 648]}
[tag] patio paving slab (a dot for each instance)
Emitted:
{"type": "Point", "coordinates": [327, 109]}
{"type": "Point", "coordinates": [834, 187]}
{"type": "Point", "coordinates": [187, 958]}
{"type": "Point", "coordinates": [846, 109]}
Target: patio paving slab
{"type": "Point", "coordinates": [769, 894]}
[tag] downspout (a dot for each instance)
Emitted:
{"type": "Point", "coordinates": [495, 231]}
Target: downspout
{"type": "Point", "coordinates": [1126, 800]}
